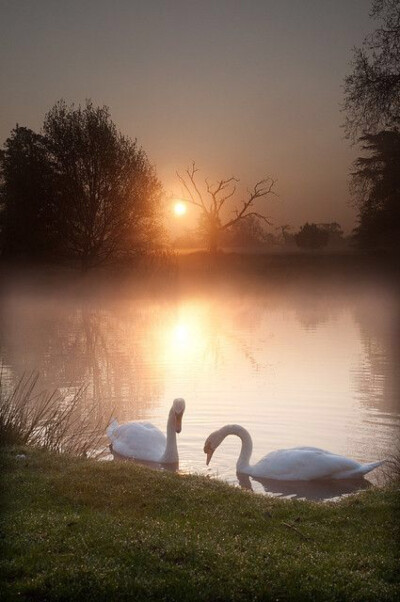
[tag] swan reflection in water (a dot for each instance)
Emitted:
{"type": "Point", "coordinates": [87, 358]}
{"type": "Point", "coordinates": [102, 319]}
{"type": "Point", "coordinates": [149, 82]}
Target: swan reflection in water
{"type": "Point", "coordinates": [317, 490]}
{"type": "Point", "coordinates": [170, 467]}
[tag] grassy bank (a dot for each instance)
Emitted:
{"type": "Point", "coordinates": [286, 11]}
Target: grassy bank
{"type": "Point", "coordinates": [79, 530]}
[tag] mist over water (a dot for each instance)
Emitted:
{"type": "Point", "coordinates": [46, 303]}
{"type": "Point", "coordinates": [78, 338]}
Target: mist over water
{"type": "Point", "coordinates": [300, 364]}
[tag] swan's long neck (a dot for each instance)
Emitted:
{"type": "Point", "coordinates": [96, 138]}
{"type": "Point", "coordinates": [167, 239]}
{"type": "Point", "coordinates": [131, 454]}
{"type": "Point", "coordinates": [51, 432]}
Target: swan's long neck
{"type": "Point", "coordinates": [243, 463]}
{"type": "Point", "coordinates": [170, 455]}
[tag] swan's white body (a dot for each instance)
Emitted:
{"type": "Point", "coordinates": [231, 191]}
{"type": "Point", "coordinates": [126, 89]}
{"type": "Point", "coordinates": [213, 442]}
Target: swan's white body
{"type": "Point", "coordinates": [144, 441]}
{"type": "Point", "coordinates": [295, 464]}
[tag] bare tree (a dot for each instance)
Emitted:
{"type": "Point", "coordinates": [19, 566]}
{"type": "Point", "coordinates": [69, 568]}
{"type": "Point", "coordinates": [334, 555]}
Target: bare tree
{"type": "Point", "coordinates": [212, 203]}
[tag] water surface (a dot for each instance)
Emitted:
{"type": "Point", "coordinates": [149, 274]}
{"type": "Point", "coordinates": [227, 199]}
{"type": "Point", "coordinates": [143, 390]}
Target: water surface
{"type": "Point", "coordinates": [295, 365]}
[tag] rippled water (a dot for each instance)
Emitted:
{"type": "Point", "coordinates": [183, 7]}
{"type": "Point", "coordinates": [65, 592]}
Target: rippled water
{"type": "Point", "coordinates": [295, 365]}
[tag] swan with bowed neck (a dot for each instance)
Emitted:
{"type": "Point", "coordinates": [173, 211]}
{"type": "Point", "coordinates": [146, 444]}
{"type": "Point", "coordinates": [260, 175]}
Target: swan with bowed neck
{"type": "Point", "coordinates": [295, 464]}
{"type": "Point", "coordinates": [144, 441]}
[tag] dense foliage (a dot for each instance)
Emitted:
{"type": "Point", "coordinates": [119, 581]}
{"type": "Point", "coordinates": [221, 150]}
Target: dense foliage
{"type": "Point", "coordinates": [372, 90]}
{"type": "Point", "coordinates": [372, 105]}
{"type": "Point", "coordinates": [81, 190]}
{"type": "Point", "coordinates": [27, 203]}
{"type": "Point", "coordinates": [376, 189]}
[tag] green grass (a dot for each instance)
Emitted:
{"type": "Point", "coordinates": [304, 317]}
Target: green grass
{"type": "Point", "coordinates": [75, 529]}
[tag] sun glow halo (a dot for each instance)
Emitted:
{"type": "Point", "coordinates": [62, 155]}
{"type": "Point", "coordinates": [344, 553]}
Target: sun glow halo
{"type": "Point", "coordinates": [179, 208]}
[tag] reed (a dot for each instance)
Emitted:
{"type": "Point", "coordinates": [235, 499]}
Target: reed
{"type": "Point", "coordinates": [56, 421]}
{"type": "Point", "coordinates": [391, 468]}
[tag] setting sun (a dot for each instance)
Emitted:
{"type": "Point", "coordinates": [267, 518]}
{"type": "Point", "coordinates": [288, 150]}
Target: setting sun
{"type": "Point", "coordinates": [179, 208]}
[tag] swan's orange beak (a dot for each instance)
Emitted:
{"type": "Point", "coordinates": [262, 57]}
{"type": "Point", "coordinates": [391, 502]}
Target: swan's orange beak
{"type": "Point", "coordinates": [178, 421]}
{"type": "Point", "coordinates": [209, 451]}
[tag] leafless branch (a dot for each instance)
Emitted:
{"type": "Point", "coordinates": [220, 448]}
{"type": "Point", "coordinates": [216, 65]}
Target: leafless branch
{"type": "Point", "coordinates": [191, 197]}
{"type": "Point", "coordinates": [260, 190]}
{"type": "Point", "coordinates": [191, 173]}
{"type": "Point", "coordinates": [220, 187]}
{"type": "Point", "coordinates": [228, 196]}
{"type": "Point", "coordinates": [218, 194]}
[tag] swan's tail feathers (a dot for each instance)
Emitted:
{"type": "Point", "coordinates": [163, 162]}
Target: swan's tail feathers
{"type": "Point", "coordinates": [111, 428]}
{"type": "Point", "coordinates": [365, 468]}
{"type": "Point", "coordinates": [359, 471]}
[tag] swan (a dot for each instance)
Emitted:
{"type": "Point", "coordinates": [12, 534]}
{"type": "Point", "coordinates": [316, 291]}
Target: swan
{"type": "Point", "coordinates": [295, 464]}
{"type": "Point", "coordinates": [144, 441]}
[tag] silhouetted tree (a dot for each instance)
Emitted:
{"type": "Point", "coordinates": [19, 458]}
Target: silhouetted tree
{"type": "Point", "coordinates": [26, 196]}
{"type": "Point", "coordinates": [372, 90]}
{"type": "Point", "coordinates": [107, 193]}
{"type": "Point", "coordinates": [376, 189]}
{"type": "Point", "coordinates": [80, 190]}
{"type": "Point", "coordinates": [311, 237]}
{"type": "Point", "coordinates": [212, 204]}
{"type": "Point", "coordinates": [335, 232]}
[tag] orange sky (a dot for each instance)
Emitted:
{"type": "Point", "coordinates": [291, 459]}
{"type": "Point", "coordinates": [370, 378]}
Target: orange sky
{"type": "Point", "coordinates": [244, 88]}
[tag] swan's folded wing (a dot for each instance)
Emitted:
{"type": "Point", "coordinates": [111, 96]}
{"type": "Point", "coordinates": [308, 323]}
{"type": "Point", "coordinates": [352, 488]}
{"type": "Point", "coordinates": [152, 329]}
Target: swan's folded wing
{"type": "Point", "coordinates": [302, 464]}
{"type": "Point", "coordinates": [140, 440]}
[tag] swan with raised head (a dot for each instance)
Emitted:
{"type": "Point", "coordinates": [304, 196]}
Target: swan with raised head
{"type": "Point", "coordinates": [295, 464]}
{"type": "Point", "coordinates": [144, 441]}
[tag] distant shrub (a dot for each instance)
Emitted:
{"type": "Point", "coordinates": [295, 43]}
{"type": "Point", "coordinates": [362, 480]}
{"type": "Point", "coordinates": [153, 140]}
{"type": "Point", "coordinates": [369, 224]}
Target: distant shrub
{"type": "Point", "coordinates": [312, 236]}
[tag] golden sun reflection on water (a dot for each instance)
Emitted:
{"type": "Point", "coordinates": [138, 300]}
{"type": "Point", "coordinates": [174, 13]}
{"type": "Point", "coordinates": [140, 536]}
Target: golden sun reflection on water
{"type": "Point", "coordinates": [185, 337]}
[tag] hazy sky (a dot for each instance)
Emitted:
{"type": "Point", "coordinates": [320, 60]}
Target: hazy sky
{"type": "Point", "coordinates": [250, 88]}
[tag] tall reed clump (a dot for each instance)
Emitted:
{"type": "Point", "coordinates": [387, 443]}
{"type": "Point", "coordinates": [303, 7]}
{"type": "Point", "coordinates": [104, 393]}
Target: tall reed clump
{"type": "Point", "coordinates": [392, 467]}
{"type": "Point", "coordinates": [55, 421]}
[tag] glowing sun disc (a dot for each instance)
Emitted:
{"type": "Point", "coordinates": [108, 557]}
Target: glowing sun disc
{"type": "Point", "coordinates": [179, 208]}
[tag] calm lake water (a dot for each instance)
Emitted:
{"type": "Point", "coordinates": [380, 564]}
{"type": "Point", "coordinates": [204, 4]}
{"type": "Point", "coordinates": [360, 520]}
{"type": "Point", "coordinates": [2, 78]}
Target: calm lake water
{"type": "Point", "coordinates": [294, 364]}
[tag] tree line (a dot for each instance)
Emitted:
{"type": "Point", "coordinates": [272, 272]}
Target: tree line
{"type": "Point", "coordinates": [250, 233]}
{"type": "Point", "coordinates": [81, 191]}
